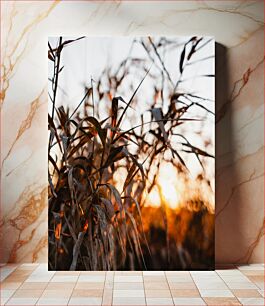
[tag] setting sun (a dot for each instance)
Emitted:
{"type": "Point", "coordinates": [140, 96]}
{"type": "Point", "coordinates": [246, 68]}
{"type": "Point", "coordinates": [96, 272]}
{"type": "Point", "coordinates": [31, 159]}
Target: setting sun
{"type": "Point", "coordinates": [167, 182]}
{"type": "Point", "coordinates": [167, 188]}
{"type": "Point", "coordinates": [169, 194]}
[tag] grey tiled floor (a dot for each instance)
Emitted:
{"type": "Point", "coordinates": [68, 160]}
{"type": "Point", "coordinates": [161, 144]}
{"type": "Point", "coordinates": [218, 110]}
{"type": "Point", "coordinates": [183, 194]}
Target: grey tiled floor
{"type": "Point", "coordinates": [32, 284]}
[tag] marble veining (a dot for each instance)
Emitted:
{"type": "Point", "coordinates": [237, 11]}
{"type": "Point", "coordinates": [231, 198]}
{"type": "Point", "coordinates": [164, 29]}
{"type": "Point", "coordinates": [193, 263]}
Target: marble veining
{"type": "Point", "coordinates": [238, 26]}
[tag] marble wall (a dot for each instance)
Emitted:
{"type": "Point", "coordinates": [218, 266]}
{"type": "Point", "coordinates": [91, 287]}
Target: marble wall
{"type": "Point", "coordinates": [238, 27]}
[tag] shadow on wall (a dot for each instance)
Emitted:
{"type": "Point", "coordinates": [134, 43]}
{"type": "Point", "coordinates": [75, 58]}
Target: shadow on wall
{"type": "Point", "coordinates": [223, 141]}
{"type": "Point", "coordinates": [224, 152]}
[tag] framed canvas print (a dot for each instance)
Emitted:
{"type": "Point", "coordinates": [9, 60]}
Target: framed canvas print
{"type": "Point", "coordinates": [131, 153]}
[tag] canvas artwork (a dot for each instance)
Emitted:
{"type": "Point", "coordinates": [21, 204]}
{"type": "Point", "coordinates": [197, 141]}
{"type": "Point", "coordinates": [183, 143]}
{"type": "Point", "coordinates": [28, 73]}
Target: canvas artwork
{"type": "Point", "coordinates": [131, 168]}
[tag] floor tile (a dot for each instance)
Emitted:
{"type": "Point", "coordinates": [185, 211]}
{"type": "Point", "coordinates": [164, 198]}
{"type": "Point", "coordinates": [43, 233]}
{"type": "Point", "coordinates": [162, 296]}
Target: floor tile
{"type": "Point", "coordinates": [218, 301]}
{"type": "Point", "coordinates": [253, 272]}
{"type": "Point", "coordinates": [177, 273]}
{"type": "Point", "coordinates": [128, 279]}
{"type": "Point", "coordinates": [88, 285]}
{"type": "Point", "coordinates": [182, 293]}
{"type": "Point", "coordinates": [188, 301]}
{"type": "Point", "coordinates": [29, 266]}
{"type": "Point", "coordinates": [34, 286]}
{"type": "Point", "coordinates": [60, 286]}
{"type": "Point", "coordinates": [205, 279]}
{"type": "Point", "coordinates": [95, 272]}
{"type": "Point", "coordinates": [56, 294]}
{"type": "Point", "coordinates": [128, 293]}
{"type": "Point", "coordinates": [16, 278]}
{"type": "Point", "coordinates": [9, 285]}
{"type": "Point", "coordinates": [3, 300]}
{"type": "Point", "coordinates": [260, 285]}
{"type": "Point", "coordinates": [85, 301]}
{"type": "Point", "coordinates": [211, 285]}
{"type": "Point", "coordinates": [43, 266]}
{"type": "Point", "coordinates": [256, 278]}
{"type": "Point", "coordinates": [251, 301]}
{"type": "Point", "coordinates": [156, 278]}
{"type": "Point", "coordinates": [7, 293]}
{"type": "Point", "coordinates": [159, 301]}
{"type": "Point", "coordinates": [91, 278]}
{"type": "Point", "coordinates": [40, 271]}
{"type": "Point", "coordinates": [153, 273]}
{"type": "Point", "coordinates": [214, 276]}
{"type": "Point", "coordinates": [261, 292]}
{"type": "Point", "coordinates": [5, 271]}
{"type": "Point", "coordinates": [20, 273]}
{"type": "Point", "coordinates": [87, 293]}
{"type": "Point", "coordinates": [235, 278]}
{"type": "Point", "coordinates": [182, 286]}
{"type": "Point", "coordinates": [246, 293]}
{"type": "Point", "coordinates": [64, 278]}
{"type": "Point", "coordinates": [156, 285]}
{"type": "Point", "coordinates": [28, 293]}
{"type": "Point", "coordinates": [241, 285]}
{"type": "Point", "coordinates": [232, 272]}
{"type": "Point", "coordinates": [22, 301]}
{"type": "Point", "coordinates": [131, 301]}
{"type": "Point", "coordinates": [129, 286]}
{"type": "Point", "coordinates": [9, 265]}
{"type": "Point", "coordinates": [149, 293]}
{"type": "Point", "coordinates": [53, 301]}
{"type": "Point", "coordinates": [39, 278]}
{"type": "Point", "coordinates": [30, 284]}
{"type": "Point", "coordinates": [179, 279]}
{"type": "Point", "coordinates": [109, 285]}
{"type": "Point", "coordinates": [216, 293]}
{"type": "Point", "coordinates": [107, 297]}
{"type": "Point", "coordinates": [203, 273]}
{"type": "Point", "coordinates": [128, 273]}
{"type": "Point", "coordinates": [69, 273]}
{"type": "Point", "coordinates": [110, 275]}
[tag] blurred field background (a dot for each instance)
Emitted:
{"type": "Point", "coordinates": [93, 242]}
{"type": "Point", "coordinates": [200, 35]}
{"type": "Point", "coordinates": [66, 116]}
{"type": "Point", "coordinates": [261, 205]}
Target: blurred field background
{"type": "Point", "coordinates": [131, 153]}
